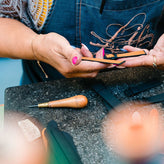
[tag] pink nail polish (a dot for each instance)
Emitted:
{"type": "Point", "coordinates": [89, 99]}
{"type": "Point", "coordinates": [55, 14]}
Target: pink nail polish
{"type": "Point", "coordinates": [103, 51]}
{"type": "Point", "coordinates": [74, 60]}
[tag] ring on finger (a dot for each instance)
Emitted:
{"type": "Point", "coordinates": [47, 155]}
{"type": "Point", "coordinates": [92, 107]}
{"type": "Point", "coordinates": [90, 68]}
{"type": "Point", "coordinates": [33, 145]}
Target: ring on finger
{"type": "Point", "coordinates": [154, 61]}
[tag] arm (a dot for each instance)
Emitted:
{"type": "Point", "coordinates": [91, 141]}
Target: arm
{"type": "Point", "coordinates": [19, 41]}
{"type": "Point", "coordinates": [15, 39]}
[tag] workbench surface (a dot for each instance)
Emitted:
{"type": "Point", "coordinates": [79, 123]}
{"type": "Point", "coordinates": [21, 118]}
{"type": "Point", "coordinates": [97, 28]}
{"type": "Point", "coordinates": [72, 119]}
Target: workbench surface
{"type": "Point", "coordinates": [83, 124]}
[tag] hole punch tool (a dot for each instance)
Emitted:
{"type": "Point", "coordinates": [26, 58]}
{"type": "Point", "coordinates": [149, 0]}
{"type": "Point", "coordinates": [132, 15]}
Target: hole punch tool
{"type": "Point", "coordinates": [78, 101]}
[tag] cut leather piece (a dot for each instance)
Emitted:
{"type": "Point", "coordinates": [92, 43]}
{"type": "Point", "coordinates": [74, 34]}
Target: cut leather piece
{"type": "Point", "coordinates": [131, 91]}
{"type": "Point", "coordinates": [125, 55]}
{"type": "Point", "coordinates": [107, 95]}
{"type": "Point", "coordinates": [107, 61]}
{"type": "Point", "coordinates": [155, 99]}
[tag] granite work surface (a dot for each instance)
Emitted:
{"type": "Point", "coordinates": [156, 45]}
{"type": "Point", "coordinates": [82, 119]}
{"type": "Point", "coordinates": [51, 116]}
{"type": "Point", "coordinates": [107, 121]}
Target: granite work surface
{"type": "Point", "coordinates": [83, 124]}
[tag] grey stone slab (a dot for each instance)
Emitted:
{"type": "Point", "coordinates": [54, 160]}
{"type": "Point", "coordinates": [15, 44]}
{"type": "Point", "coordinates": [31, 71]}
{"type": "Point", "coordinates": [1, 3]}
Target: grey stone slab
{"type": "Point", "coordinates": [83, 124]}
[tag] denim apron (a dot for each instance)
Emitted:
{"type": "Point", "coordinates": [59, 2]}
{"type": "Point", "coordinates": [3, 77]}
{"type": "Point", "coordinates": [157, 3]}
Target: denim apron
{"type": "Point", "coordinates": [121, 22]}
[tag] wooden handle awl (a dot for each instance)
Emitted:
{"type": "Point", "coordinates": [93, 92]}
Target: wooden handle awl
{"type": "Point", "coordinates": [78, 101]}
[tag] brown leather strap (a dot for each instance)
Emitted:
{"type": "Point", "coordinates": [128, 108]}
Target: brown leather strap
{"type": "Point", "coordinates": [124, 55]}
{"type": "Point", "coordinates": [103, 60]}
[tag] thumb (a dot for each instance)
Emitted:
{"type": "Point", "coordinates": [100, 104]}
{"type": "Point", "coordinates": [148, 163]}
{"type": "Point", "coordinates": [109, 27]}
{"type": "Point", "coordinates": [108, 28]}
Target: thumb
{"type": "Point", "coordinates": [72, 54]}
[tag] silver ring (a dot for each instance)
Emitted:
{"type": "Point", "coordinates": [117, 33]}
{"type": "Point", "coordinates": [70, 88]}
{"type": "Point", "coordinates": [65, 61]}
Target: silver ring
{"type": "Point", "coordinates": [154, 61]}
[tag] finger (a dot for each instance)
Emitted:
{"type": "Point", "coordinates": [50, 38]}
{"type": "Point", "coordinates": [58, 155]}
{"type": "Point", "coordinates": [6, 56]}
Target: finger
{"type": "Point", "coordinates": [131, 49]}
{"type": "Point", "coordinates": [89, 66]}
{"type": "Point", "coordinates": [71, 54]}
{"type": "Point", "coordinates": [65, 67]}
{"type": "Point", "coordinates": [120, 67]}
{"type": "Point", "coordinates": [111, 66]}
{"type": "Point", "coordinates": [78, 49]}
{"type": "Point", "coordinates": [100, 54]}
{"type": "Point", "coordinates": [85, 51]}
{"type": "Point", "coordinates": [160, 43]}
{"type": "Point", "coordinates": [146, 60]}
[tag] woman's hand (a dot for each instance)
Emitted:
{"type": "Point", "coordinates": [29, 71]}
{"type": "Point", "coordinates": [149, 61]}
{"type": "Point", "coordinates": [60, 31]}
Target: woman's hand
{"type": "Point", "coordinates": [55, 50]}
{"type": "Point", "coordinates": [155, 55]}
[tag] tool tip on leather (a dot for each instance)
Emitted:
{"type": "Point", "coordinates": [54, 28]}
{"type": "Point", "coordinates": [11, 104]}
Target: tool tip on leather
{"type": "Point", "coordinates": [33, 106]}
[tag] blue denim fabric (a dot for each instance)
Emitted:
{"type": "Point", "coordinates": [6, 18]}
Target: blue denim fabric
{"type": "Point", "coordinates": [134, 22]}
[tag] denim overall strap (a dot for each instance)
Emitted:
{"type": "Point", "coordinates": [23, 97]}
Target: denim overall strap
{"type": "Point", "coordinates": [62, 20]}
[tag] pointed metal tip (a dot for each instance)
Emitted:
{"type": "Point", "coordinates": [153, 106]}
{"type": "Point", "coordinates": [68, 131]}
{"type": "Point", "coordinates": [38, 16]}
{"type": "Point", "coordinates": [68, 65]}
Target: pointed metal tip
{"type": "Point", "coordinates": [33, 106]}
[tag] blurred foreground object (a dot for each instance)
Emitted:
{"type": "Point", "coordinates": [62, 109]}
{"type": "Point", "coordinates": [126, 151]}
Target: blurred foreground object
{"type": "Point", "coordinates": [1, 117]}
{"type": "Point", "coordinates": [21, 140]}
{"type": "Point", "coordinates": [134, 131]}
{"type": "Point", "coordinates": [61, 146]}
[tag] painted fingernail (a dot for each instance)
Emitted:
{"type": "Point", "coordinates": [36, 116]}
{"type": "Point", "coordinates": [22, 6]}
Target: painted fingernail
{"type": "Point", "coordinates": [74, 60]}
{"type": "Point", "coordinates": [84, 46]}
{"type": "Point", "coordinates": [103, 51]}
{"type": "Point", "coordinates": [111, 66]}
{"type": "Point", "coordinates": [121, 67]}
{"type": "Point", "coordinates": [123, 50]}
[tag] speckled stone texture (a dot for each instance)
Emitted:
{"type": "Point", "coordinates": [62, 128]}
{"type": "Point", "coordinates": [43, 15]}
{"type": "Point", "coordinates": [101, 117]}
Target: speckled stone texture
{"type": "Point", "coordinates": [83, 124]}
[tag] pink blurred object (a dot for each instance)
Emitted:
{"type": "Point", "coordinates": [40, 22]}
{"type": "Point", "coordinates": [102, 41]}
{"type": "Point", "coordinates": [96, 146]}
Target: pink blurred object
{"type": "Point", "coordinates": [134, 130]}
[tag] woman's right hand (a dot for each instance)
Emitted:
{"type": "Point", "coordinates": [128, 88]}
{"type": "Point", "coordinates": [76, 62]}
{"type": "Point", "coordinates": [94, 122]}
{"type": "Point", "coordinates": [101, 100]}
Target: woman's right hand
{"type": "Point", "coordinates": [55, 50]}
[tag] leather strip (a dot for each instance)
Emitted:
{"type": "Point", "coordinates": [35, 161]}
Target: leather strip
{"type": "Point", "coordinates": [131, 91]}
{"type": "Point", "coordinates": [107, 95]}
{"type": "Point", "coordinates": [103, 60]}
{"type": "Point", "coordinates": [155, 99]}
{"type": "Point", "coordinates": [125, 55]}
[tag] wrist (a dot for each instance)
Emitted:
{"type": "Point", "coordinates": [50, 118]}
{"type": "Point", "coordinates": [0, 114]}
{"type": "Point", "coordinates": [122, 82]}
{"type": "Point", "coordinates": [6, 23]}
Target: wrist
{"type": "Point", "coordinates": [35, 46]}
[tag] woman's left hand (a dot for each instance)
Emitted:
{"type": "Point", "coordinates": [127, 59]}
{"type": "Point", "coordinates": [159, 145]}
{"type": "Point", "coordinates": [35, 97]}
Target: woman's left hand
{"type": "Point", "coordinates": [154, 57]}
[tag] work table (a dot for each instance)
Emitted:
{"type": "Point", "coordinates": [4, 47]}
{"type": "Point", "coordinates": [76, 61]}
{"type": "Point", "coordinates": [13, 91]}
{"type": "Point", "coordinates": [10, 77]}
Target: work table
{"type": "Point", "coordinates": [83, 124]}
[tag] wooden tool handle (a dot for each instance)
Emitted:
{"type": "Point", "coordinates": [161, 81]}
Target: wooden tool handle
{"type": "Point", "coordinates": [78, 101]}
